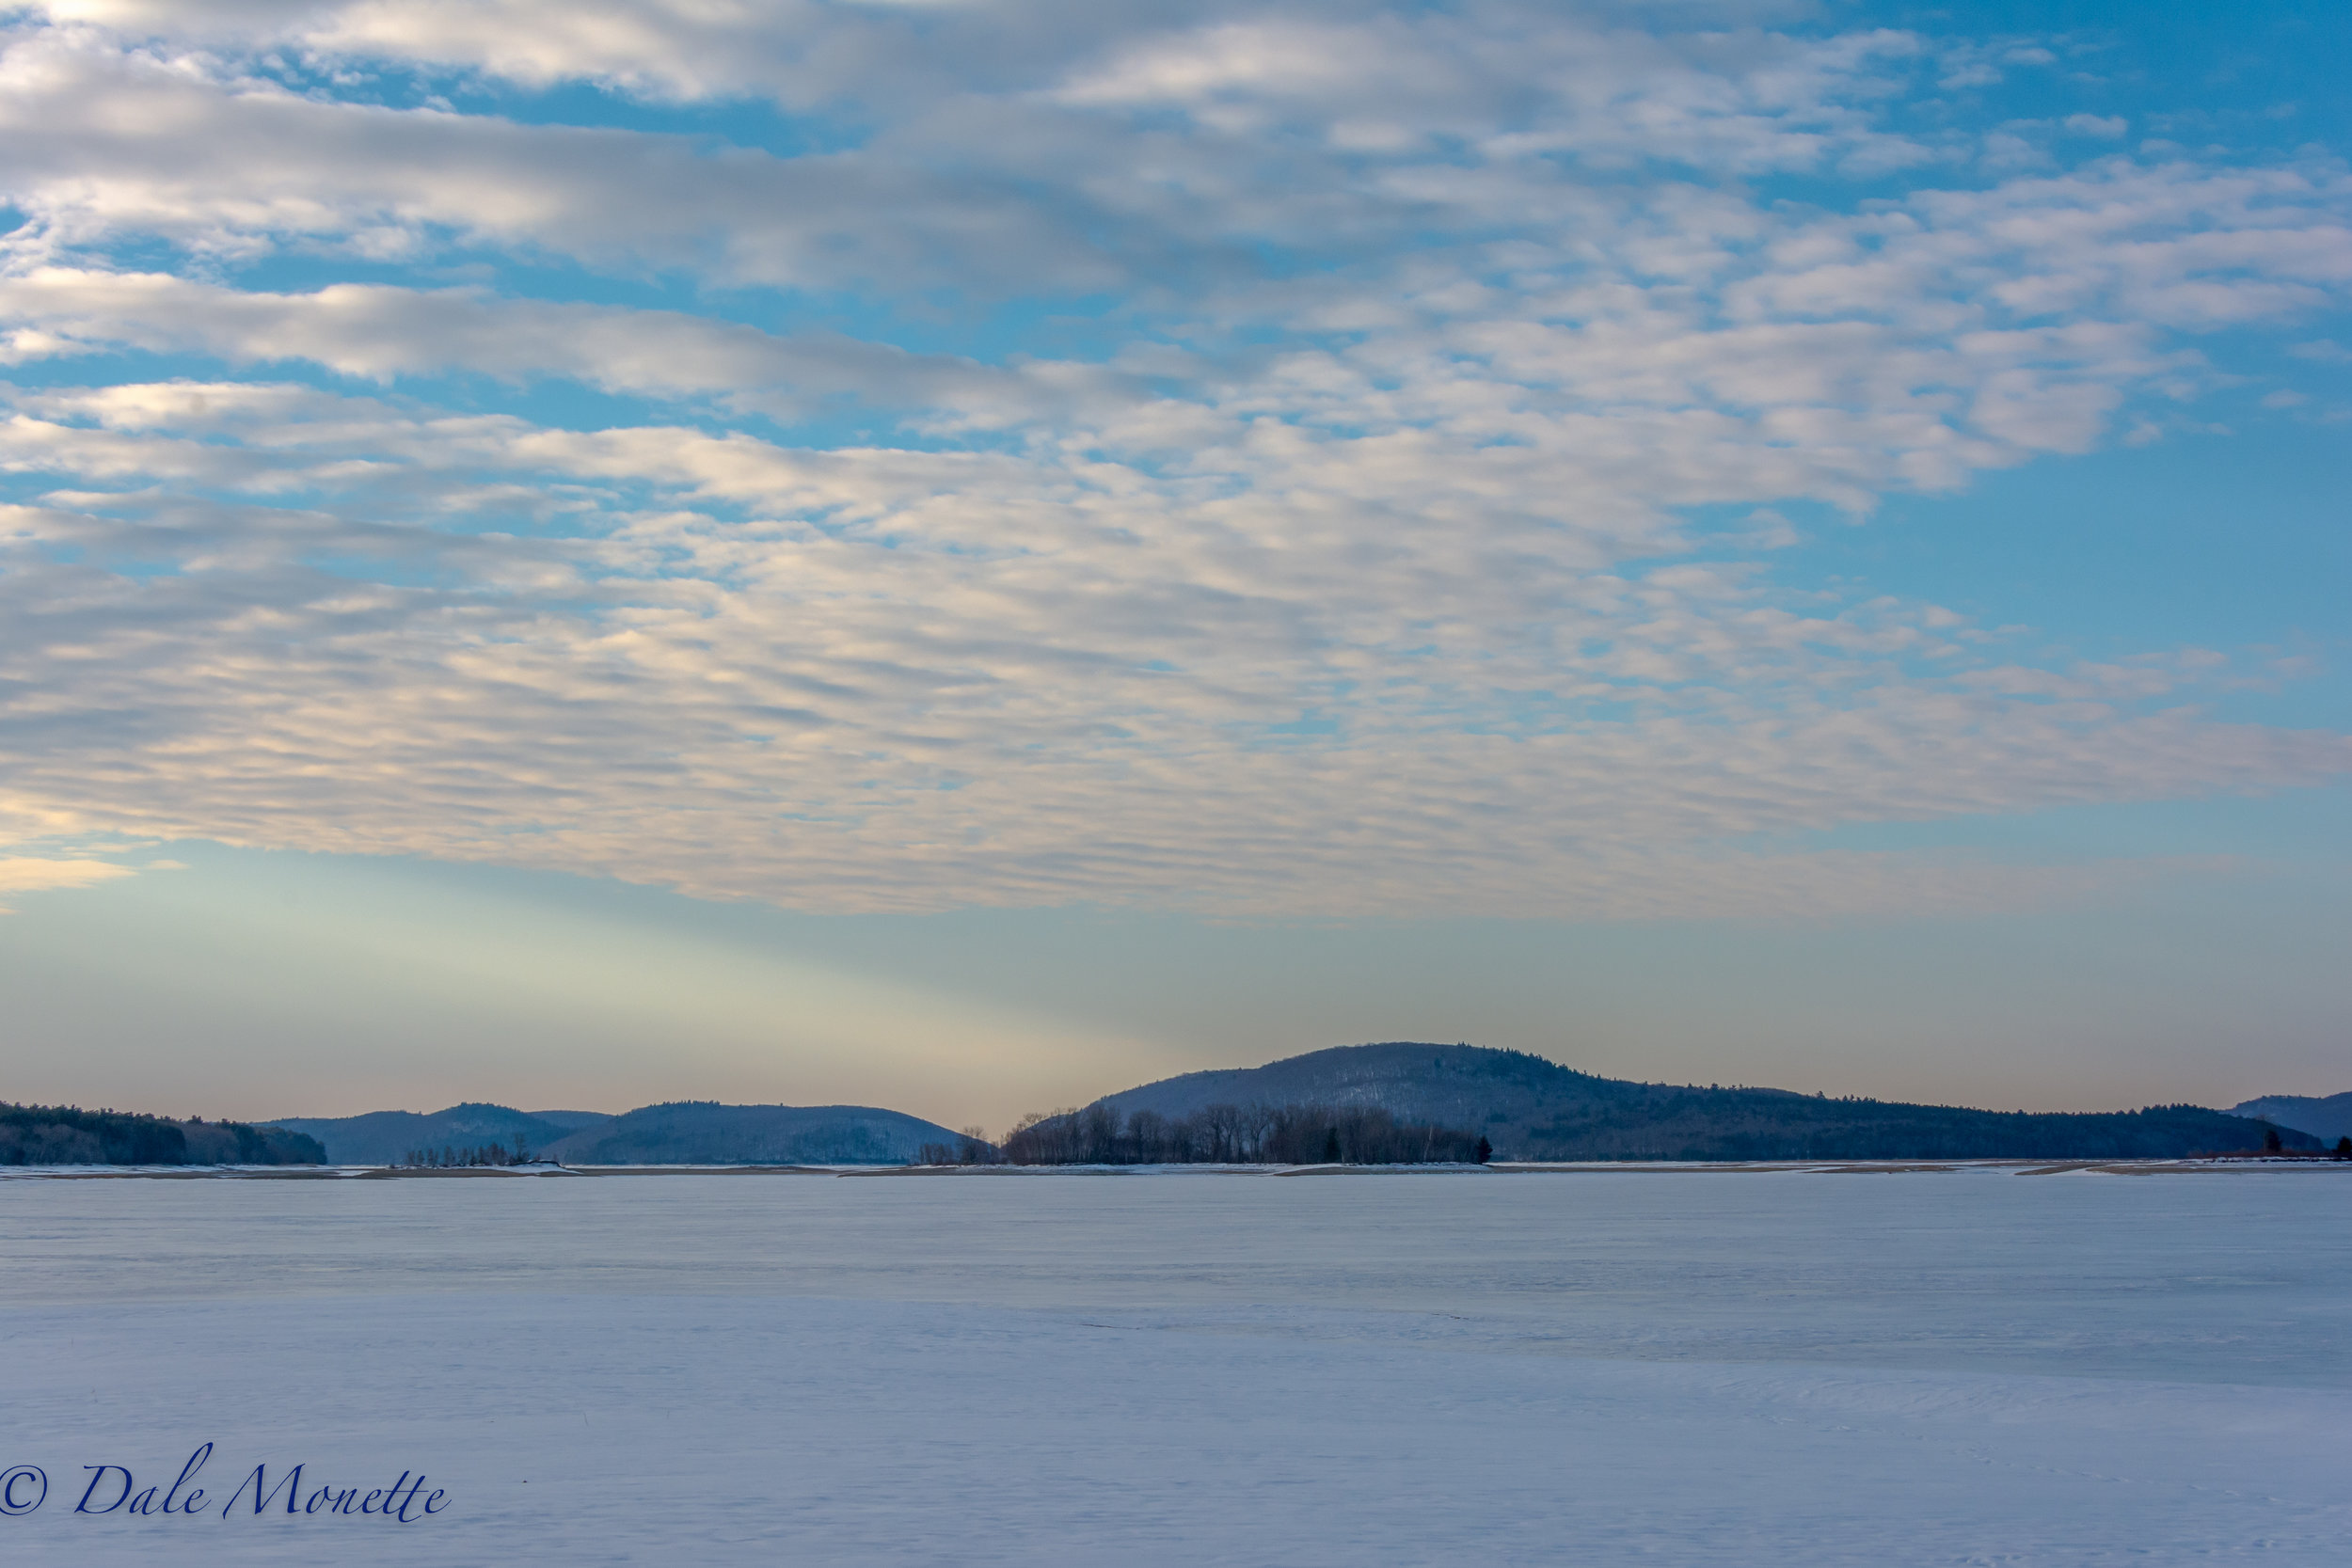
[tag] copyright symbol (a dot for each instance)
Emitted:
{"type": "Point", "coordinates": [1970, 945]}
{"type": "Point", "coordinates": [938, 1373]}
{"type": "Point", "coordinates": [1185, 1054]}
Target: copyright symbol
{"type": "Point", "coordinates": [22, 1489]}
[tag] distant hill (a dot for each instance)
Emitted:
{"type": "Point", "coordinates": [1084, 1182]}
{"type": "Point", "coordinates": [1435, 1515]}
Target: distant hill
{"type": "Point", "coordinates": [383, 1137]}
{"type": "Point", "coordinates": [571, 1121]}
{"type": "Point", "coordinates": [1532, 1109]}
{"type": "Point", "coordinates": [2326, 1118]}
{"type": "Point", "coordinates": [69, 1136]}
{"type": "Point", "coordinates": [701, 1133]}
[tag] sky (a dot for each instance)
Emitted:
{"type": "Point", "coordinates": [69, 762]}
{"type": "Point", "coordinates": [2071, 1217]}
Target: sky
{"type": "Point", "coordinates": [964, 556]}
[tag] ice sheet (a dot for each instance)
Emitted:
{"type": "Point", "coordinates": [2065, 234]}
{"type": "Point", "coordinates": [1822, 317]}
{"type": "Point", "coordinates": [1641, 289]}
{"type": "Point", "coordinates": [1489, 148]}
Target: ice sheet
{"type": "Point", "coordinates": [1970, 1367]}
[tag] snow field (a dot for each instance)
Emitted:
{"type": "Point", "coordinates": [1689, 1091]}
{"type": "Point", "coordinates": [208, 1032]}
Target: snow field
{"type": "Point", "coordinates": [1963, 1367]}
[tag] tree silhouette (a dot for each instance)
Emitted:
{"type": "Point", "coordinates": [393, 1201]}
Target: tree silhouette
{"type": "Point", "coordinates": [1236, 1134]}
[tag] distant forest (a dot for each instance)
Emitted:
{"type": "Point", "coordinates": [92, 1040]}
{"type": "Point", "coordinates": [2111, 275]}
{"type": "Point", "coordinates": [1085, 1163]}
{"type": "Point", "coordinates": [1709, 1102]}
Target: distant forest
{"type": "Point", "coordinates": [1237, 1135]}
{"type": "Point", "coordinates": [69, 1136]}
{"type": "Point", "coordinates": [1663, 1123]}
{"type": "Point", "coordinates": [1657, 1124]}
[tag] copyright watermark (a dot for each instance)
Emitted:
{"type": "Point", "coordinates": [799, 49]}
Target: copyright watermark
{"type": "Point", "coordinates": [297, 1491]}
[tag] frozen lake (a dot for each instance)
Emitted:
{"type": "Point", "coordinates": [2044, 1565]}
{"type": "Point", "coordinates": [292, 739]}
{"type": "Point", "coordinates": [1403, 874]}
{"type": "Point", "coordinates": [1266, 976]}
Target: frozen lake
{"type": "Point", "coordinates": [1969, 1367]}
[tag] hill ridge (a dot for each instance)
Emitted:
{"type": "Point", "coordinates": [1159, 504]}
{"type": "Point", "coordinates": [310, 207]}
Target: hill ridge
{"type": "Point", "coordinates": [1532, 1107]}
{"type": "Point", "coordinates": [675, 1132]}
{"type": "Point", "coordinates": [2324, 1116]}
{"type": "Point", "coordinates": [706, 1132]}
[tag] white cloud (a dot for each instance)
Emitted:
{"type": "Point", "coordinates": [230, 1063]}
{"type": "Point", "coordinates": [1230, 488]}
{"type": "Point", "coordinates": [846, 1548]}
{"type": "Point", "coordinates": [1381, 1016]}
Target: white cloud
{"type": "Point", "coordinates": [2107, 127]}
{"type": "Point", "coordinates": [34, 874]}
{"type": "Point", "coordinates": [921, 678]}
{"type": "Point", "coordinates": [1346, 562]}
{"type": "Point", "coordinates": [381, 332]}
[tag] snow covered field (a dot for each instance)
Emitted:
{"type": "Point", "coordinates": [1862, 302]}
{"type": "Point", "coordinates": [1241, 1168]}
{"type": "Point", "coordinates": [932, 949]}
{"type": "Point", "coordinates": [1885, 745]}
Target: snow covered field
{"type": "Point", "coordinates": [1970, 1367]}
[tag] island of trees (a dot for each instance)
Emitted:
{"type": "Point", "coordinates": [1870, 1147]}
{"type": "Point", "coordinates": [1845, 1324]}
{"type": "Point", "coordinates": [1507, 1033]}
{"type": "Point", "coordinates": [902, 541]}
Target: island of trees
{"type": "Point", "coordinates": [450, 1156]}
{"type": "Point", "coordinates": [1305, 1135]}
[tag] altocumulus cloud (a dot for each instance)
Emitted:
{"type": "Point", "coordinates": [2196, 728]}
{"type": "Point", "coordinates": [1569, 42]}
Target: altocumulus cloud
{"type": "Point", "coordinates": [1340, 555]}
{"type": "Point", "coordinates": [40, 874]}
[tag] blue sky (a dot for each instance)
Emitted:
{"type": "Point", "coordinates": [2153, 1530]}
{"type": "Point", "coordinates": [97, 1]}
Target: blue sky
{"type": "Point", "coordinates": [1002, 550]}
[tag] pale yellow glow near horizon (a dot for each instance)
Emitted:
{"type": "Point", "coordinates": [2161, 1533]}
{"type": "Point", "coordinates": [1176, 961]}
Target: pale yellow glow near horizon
{"type": "Point", "coordinates": [380, 990]}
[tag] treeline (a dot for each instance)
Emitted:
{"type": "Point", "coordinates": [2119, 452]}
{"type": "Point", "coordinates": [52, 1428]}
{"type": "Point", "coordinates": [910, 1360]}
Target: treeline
{"type": "Point", "coordinates": [970, 1148]}
{"type": "Point", "coordinates": [450, 1156]}
{"type": "Point", "coordinates": [1657, 1122]}
{"type": "Point", "coordinates": [69, 1136]}
{"type": "Point", "coordinates": [1241, 1136]}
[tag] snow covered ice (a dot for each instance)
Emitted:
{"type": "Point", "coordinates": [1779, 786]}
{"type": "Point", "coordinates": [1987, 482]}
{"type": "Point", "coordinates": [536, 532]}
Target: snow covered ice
{"type": "Point", "coordinates": [1691, 1366]}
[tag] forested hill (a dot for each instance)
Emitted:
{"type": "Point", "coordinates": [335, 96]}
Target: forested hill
{"type": "Point", "coordinates": [689, 1133]}
{"type": "Point", "coordinates": [383, 1137]}
{"type": "Point", "coordinates": [1532, 1109]}
{"type": "Point", "coordinates": [2326, 1118]}
{"type": "Point", "coordinates": [69, 1136]}
{"type": "Point", "coordinates": [701, 1133]}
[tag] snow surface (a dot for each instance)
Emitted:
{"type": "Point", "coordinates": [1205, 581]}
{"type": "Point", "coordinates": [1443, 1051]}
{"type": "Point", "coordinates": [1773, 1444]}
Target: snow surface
{"type": "Point", "coordinates": [1756, 1368]}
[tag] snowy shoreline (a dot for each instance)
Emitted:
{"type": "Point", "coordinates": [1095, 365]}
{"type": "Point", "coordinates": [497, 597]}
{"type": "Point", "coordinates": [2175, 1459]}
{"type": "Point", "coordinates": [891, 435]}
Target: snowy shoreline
{"type": "Point", "coordinates": [2230, 1163]}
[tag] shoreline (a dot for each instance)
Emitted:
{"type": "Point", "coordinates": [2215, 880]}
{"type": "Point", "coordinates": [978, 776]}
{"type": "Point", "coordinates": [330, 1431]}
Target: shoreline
{"type": "Point", "coordinates": [2224, 1165]}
